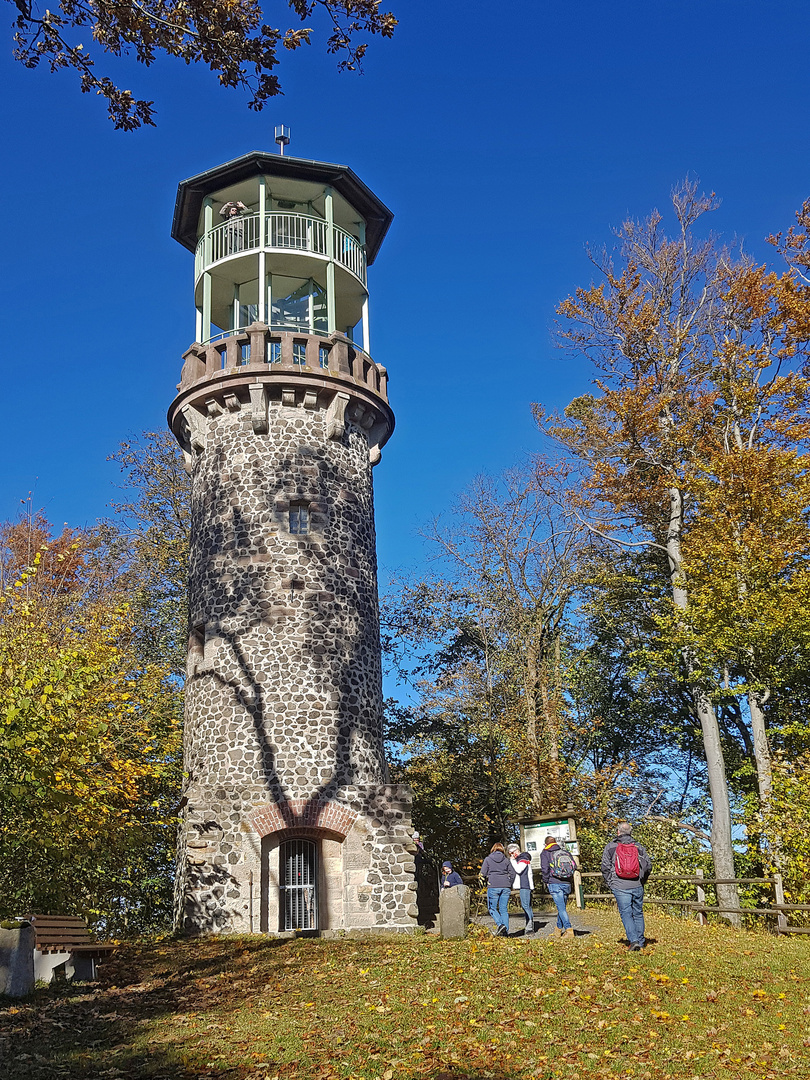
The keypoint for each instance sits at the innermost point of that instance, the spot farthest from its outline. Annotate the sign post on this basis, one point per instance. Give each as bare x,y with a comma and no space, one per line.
561,824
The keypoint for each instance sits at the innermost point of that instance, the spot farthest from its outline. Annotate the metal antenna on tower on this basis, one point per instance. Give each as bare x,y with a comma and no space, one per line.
282,137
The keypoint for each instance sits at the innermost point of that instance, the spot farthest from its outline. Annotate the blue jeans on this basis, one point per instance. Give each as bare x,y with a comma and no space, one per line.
497,902
631,909
560,894
526,904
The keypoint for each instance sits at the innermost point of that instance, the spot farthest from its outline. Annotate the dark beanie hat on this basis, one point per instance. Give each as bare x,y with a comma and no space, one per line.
449,865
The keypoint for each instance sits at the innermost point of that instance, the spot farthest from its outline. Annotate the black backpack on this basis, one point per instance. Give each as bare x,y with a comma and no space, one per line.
562,864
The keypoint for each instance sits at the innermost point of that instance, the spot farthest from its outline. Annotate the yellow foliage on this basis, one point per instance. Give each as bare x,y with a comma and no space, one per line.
88,741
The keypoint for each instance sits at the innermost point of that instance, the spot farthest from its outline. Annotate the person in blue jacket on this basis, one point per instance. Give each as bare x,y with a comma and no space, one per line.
559,886
449,876
497,872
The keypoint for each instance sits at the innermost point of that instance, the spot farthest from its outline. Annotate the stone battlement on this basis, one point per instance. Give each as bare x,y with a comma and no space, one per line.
248,372
332,356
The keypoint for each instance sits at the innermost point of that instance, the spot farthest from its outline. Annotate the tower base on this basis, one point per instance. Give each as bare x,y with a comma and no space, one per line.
324,864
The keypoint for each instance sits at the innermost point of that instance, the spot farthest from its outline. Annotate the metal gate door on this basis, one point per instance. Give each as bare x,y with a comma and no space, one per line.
299,898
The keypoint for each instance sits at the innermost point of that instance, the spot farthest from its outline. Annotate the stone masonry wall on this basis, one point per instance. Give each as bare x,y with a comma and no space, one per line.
283,729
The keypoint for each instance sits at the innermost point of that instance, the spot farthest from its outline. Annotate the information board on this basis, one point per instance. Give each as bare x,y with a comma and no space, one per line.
535,833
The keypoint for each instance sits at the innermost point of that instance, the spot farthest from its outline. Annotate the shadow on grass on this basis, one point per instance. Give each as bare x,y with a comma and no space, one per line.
647,941
117,1027
177,1011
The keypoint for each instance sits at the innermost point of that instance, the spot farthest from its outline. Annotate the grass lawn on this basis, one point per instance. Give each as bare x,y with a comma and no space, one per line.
699,1003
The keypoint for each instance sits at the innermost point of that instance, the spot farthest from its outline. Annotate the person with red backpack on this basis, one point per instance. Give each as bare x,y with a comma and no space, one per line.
625,867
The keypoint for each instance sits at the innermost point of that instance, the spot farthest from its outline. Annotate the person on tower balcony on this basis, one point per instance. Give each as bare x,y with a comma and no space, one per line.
232,212
625,867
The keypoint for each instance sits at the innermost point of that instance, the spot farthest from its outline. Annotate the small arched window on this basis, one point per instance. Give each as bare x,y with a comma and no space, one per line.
299,518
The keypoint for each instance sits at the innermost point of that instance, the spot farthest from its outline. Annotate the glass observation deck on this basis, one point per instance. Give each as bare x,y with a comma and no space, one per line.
285,252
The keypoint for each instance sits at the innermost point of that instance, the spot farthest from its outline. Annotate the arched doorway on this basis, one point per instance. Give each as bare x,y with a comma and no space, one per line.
298,866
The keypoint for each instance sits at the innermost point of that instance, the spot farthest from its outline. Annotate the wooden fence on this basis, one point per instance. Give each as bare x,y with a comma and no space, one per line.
778,910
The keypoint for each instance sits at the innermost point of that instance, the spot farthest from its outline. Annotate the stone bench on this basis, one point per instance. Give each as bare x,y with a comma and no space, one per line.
16,958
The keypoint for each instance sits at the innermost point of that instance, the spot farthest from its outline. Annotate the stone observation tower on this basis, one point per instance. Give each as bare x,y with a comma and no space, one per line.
289,822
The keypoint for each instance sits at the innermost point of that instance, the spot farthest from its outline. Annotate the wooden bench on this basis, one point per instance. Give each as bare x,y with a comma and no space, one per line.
66,936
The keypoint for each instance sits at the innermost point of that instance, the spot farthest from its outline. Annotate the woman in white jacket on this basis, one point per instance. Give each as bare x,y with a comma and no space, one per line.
521,862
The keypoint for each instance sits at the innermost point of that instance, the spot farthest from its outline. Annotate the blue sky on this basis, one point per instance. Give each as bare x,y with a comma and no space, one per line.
504,138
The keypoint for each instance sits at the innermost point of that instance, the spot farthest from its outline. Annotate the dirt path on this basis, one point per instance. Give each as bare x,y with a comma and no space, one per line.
545,922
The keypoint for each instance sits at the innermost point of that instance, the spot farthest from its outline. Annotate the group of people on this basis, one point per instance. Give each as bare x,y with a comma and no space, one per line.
626,865
505,870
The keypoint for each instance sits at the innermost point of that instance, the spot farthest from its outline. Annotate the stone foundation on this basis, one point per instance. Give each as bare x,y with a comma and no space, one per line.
231,877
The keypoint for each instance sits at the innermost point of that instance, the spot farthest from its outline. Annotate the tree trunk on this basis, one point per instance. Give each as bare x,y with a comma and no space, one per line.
721,842
530,693
762,753
551,726
762,756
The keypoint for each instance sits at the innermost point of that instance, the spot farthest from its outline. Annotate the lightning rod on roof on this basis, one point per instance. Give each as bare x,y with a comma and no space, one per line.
282,137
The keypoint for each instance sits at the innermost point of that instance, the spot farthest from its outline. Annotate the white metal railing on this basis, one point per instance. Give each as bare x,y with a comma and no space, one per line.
284,232
298,232
350,253
236,235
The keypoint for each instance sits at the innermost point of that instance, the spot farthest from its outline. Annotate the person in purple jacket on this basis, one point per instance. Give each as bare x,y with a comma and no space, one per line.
497,872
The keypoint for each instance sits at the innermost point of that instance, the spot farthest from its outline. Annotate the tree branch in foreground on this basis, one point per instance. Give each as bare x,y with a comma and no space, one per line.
231,39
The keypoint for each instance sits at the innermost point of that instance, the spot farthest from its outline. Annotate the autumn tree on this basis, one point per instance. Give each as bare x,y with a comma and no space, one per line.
89,741
700,384
232,40
147,540
514,554
480,647
61,561
630,716
458,743
787,820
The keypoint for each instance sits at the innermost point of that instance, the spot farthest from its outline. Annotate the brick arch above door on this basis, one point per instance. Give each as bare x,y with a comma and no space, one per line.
304,817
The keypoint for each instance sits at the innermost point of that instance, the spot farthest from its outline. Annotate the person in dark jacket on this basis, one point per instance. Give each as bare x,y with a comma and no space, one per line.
558,887
449,876
628,890
497,872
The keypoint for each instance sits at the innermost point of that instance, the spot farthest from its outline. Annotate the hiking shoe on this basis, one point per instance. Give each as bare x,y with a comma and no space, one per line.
569,933
636,946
